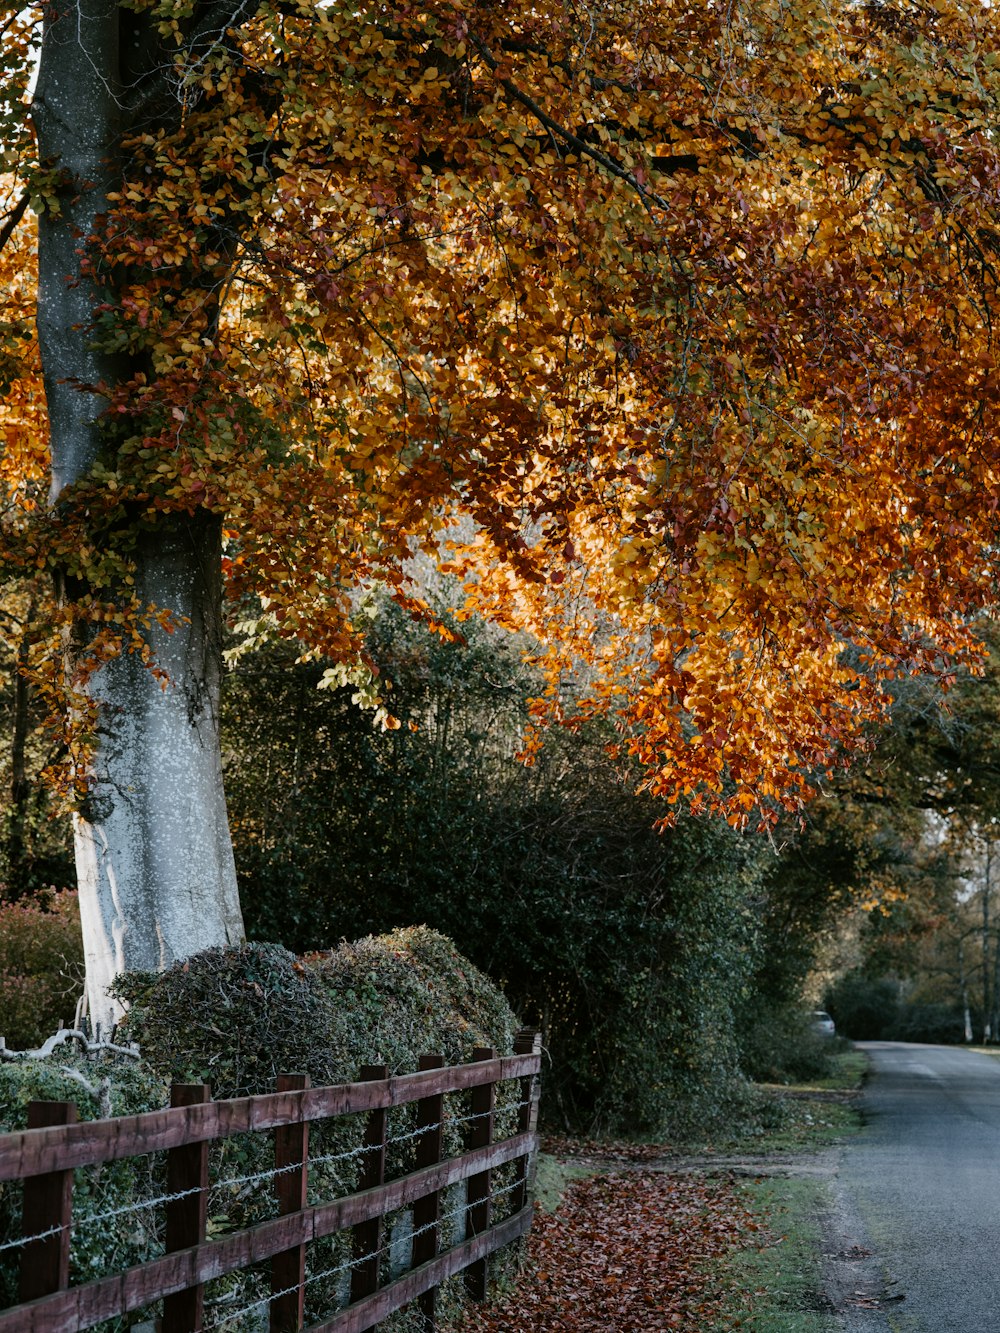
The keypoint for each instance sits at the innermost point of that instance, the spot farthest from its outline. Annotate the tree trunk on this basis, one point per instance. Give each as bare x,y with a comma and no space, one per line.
75,114
20,789
987,996
963,982
154,859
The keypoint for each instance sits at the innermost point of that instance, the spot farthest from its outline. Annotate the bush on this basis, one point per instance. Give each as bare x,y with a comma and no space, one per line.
939,1024
864,1008
779,1045
411,992
636,990
629,948
236,1018
41,966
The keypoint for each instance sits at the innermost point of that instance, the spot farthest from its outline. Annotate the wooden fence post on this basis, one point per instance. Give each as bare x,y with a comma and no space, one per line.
367,1238
527,1042
291,1162
187,1170
48,1203
426,1211
480,1135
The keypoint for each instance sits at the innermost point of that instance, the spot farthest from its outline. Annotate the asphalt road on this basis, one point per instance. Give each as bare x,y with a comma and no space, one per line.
918,1195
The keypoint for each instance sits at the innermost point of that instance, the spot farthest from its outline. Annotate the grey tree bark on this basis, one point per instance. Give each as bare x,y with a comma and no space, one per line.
20,787
154,858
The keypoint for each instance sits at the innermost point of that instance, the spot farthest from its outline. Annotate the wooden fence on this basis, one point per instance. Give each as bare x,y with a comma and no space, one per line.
46,1155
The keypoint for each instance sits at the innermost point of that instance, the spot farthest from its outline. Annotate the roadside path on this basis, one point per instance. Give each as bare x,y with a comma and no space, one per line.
913,1227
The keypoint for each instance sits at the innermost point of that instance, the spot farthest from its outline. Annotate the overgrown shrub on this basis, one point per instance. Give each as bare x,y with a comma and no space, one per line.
939,1024
630,948
41,966
781,1046
410,992
235,1018
864,1008
635,978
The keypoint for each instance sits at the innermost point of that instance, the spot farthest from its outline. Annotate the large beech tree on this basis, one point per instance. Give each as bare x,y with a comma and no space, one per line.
685,308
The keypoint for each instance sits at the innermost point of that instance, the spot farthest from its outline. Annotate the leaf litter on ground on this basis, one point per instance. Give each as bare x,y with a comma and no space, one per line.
559,1145
625,1253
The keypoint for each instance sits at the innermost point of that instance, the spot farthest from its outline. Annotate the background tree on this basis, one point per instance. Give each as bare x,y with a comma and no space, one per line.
931,793
688,309
661,967
33,849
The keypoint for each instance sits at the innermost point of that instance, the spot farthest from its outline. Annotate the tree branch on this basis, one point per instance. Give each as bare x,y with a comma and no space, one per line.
609,164
13,218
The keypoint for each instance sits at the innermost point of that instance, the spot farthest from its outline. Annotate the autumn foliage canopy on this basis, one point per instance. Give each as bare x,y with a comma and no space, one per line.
669,325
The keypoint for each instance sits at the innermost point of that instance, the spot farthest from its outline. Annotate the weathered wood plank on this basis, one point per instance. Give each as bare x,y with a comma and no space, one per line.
79,1307
367,1313
48,1202
37,1151
187,1170
288,1267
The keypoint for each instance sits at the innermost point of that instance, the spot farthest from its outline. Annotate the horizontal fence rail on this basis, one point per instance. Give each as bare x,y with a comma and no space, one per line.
45,1156
33,1151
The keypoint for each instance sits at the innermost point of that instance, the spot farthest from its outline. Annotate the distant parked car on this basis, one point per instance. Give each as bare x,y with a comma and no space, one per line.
821,1022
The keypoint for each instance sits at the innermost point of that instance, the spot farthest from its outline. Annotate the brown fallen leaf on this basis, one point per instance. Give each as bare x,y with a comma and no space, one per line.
624,1253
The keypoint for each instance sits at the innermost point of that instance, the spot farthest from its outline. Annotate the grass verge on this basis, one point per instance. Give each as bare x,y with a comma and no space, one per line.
797,1118
776,1286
